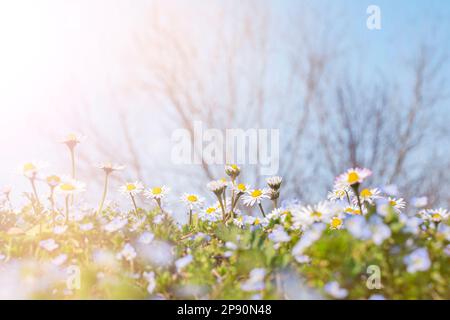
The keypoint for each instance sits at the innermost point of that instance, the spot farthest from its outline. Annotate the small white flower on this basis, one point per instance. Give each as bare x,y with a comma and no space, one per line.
255,282
150,278
131,188
157,193
146,237
181,263
192,200
397,204
255,196
86,226
353,176
116,224
128,253
72,139
69,186
217,186
109,167
340,192
302,258
31,169
274,182
279,235
59,229
418,260
49,244
435,215
336,222
232,170
158,219
369,195
211,213
241,188
334,290
59,260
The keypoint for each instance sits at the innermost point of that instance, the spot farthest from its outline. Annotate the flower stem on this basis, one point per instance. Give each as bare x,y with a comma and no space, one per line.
348,198
52,203
72,159
190,217
134,204
262,210
105,190
67,208
223,208
33,186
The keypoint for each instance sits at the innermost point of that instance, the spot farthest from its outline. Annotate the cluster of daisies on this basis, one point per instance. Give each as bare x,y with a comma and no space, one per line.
351,205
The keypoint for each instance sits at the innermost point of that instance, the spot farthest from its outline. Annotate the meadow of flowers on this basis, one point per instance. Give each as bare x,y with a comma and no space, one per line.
362,242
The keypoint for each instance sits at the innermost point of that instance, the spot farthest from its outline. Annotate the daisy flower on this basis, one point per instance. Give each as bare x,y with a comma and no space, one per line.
241,188
353,176
274,182
31,169
72,139
109,167
353,210
339,193
255,196
191,200
211,213
435,215
156,193
369,195
69,186
132,188
232,170
53,180
397,204
316,213
336,222
217,186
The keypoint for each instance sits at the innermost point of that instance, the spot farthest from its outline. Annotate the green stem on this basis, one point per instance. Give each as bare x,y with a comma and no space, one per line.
223,208
134,204
190,217
262,210
105,190
72,159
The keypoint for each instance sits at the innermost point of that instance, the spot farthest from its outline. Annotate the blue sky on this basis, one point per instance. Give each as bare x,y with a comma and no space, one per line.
84,41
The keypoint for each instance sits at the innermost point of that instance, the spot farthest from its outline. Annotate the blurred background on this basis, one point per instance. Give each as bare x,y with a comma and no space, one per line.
126,74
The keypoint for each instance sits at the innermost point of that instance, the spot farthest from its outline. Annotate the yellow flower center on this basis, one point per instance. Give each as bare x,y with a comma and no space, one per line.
241,187
393,203
336,222
131,186
340,193
192,198
72,137
67,187
353,177
436,216
210,210
256,193
316,214
53,179
234,166
157,190
366,193
256,222
29,167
